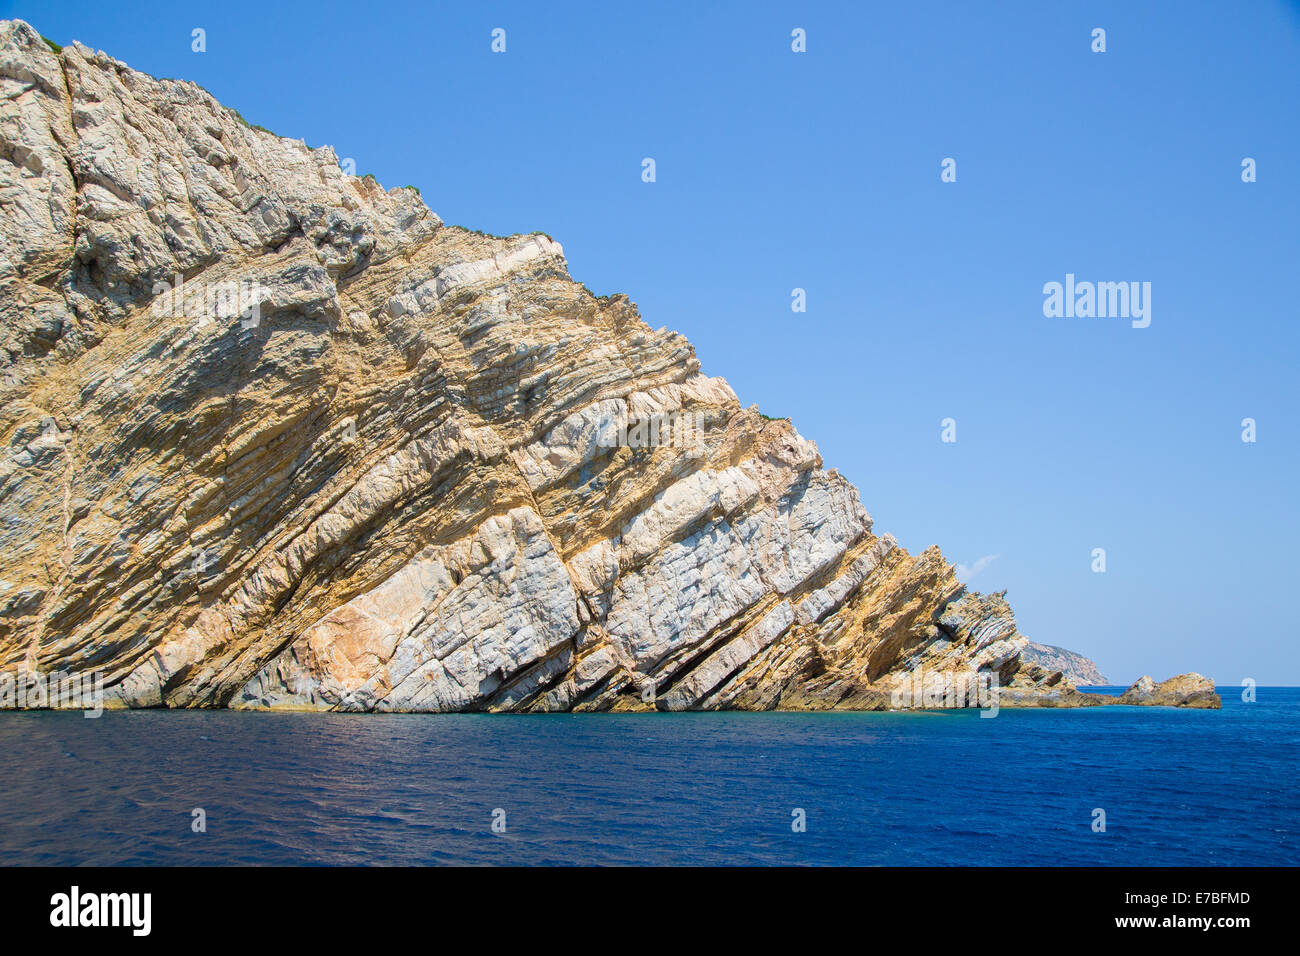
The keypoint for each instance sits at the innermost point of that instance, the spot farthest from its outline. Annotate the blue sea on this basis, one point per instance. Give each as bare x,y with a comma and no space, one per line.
1177,787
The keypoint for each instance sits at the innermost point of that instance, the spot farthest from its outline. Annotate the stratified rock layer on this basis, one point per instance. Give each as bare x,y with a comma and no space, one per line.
363,461
1079,669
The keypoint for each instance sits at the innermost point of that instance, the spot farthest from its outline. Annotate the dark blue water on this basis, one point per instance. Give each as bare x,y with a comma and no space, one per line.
1178,787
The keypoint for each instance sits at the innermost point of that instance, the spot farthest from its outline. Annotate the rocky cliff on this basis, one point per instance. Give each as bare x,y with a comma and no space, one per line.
1077,668
276,437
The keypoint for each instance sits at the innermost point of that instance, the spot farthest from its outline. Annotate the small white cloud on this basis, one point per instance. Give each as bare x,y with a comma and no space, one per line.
966,572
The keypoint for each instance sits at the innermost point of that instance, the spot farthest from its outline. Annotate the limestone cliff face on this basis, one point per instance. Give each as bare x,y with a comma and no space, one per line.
1079,669
276,437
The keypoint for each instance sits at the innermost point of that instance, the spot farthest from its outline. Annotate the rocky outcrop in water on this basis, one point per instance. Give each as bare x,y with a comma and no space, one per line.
1185,690
276,437
1077,668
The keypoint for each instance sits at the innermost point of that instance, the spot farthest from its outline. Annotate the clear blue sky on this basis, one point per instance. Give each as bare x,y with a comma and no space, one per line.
821,171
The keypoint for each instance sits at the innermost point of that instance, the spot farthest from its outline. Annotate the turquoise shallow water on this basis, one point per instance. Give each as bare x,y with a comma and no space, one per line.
1178,787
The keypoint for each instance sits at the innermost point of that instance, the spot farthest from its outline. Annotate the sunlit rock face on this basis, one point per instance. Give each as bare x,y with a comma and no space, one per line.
1081,670
278,438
